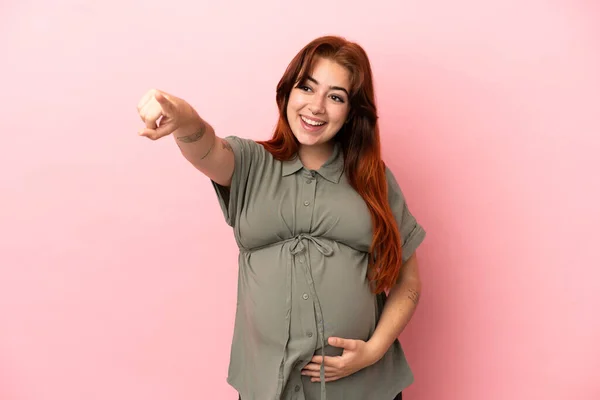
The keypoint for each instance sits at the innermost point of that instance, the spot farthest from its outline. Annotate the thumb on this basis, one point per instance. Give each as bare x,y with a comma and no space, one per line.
159,132
166,104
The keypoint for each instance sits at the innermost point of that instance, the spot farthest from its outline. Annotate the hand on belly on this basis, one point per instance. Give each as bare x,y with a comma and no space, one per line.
355,355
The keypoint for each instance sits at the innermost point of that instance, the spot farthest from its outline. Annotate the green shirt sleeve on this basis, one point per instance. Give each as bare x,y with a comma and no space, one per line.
248,155
412,233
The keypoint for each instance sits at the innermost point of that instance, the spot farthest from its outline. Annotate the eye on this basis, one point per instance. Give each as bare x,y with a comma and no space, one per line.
304,88
337,99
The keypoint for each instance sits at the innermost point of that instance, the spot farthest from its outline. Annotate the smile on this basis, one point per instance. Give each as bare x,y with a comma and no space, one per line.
312,122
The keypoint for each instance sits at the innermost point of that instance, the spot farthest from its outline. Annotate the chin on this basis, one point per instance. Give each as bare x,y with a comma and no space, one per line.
312,138
306,139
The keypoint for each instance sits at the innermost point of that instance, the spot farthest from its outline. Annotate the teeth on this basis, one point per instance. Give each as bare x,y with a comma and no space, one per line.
311,122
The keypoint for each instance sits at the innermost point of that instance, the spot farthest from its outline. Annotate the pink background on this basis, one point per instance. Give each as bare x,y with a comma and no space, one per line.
118,273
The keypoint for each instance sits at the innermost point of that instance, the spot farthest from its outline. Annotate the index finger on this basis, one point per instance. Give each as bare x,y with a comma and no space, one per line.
166,104
330,361
145,99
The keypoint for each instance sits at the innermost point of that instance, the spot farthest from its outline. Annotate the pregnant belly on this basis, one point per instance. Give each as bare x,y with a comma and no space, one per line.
349,307
271,299
350,313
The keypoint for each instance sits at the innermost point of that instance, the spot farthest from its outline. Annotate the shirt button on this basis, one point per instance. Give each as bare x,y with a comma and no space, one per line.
305,296
301,259
306,203
297,388
309,334
308,180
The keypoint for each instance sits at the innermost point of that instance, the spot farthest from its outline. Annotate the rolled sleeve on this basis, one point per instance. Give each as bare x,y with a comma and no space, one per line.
231,198
412,233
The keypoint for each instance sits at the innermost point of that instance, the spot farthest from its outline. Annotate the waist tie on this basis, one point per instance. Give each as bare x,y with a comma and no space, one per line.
297,246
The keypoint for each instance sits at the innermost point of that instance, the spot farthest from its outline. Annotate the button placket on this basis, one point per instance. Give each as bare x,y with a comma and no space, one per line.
308,197
306,298
305,315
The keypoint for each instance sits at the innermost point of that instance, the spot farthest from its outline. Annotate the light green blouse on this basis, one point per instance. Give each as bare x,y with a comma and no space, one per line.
304,238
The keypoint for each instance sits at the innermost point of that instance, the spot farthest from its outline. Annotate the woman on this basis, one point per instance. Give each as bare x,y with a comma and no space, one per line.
323,230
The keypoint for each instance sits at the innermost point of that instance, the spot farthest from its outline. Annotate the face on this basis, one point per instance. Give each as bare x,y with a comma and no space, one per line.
318,107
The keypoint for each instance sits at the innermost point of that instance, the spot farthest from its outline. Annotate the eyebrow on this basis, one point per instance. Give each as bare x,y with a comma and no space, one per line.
310,78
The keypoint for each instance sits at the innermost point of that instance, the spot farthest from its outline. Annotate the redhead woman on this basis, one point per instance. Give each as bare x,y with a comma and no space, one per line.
328,275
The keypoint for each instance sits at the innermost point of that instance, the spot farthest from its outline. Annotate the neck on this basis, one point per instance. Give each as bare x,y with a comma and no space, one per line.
313,157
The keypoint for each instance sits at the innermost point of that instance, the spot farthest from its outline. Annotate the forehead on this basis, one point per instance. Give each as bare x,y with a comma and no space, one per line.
330,73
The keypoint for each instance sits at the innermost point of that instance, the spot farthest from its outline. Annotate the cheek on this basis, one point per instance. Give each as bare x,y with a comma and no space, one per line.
340,115
294,103
292,111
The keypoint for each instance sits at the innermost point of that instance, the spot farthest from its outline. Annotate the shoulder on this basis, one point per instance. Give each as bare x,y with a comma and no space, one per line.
252,160
393,188
246,148
242,143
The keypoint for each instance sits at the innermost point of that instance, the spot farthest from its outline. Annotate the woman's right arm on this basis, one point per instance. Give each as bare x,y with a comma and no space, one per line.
165,114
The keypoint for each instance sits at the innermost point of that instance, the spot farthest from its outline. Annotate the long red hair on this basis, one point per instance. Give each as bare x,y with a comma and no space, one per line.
359,139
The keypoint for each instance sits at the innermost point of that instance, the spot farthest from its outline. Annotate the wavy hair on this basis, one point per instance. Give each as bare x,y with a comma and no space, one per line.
360,143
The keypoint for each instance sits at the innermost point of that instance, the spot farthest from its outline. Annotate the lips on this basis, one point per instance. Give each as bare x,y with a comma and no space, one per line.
312,121
311,124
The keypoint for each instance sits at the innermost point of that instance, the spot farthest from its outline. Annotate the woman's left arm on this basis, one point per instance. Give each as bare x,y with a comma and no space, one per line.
399,308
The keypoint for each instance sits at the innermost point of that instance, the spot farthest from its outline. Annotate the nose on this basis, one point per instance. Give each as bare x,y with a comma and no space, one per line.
317,106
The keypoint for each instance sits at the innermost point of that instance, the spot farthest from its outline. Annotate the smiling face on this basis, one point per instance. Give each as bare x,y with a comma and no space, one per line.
318,107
